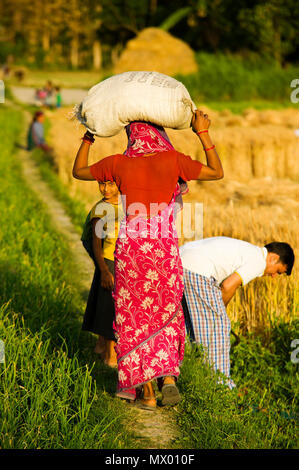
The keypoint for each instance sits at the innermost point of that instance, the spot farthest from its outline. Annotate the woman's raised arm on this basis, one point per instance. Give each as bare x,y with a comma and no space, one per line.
213,169
81,169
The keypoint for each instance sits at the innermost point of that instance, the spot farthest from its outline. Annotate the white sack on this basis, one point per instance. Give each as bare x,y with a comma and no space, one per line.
135,96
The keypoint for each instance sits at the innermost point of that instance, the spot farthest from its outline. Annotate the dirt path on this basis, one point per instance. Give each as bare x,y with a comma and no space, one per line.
156,429
63,224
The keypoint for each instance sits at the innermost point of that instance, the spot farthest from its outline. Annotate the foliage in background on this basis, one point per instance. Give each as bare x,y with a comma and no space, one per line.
91,33
266,27
223,77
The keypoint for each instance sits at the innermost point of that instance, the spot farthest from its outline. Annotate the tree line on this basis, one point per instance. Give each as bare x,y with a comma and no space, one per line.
91,33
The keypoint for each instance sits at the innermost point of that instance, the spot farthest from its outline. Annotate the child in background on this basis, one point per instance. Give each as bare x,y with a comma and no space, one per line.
58,97
99,236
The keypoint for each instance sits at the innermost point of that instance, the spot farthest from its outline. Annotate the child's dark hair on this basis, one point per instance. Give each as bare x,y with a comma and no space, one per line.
285,253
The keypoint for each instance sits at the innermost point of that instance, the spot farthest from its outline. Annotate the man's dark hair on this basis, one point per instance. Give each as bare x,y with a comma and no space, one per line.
285,252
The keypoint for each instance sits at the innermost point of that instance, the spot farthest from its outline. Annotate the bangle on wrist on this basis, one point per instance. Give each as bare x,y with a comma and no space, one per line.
88,138
86,141
201,131
210,148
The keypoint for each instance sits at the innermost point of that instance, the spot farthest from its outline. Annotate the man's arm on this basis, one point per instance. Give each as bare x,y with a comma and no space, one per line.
229,287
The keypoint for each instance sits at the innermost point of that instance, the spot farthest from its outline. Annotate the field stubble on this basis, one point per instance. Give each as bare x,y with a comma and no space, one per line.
257,200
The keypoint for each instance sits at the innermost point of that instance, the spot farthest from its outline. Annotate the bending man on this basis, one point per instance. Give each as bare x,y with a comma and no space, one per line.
214,268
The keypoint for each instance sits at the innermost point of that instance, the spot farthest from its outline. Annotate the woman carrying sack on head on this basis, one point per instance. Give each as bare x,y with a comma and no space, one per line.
148,284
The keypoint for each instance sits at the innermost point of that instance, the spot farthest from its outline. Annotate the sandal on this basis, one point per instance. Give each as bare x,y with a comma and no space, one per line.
170,394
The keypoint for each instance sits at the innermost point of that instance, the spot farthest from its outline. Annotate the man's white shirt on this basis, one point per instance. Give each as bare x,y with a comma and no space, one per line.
220,257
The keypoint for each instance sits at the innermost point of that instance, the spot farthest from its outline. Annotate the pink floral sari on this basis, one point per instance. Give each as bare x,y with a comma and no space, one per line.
148,289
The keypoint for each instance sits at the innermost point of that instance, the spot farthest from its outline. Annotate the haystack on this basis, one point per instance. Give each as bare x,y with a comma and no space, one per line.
154,49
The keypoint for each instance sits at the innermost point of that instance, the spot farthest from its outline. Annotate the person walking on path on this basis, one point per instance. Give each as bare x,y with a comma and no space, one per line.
148,289
99,236
214,268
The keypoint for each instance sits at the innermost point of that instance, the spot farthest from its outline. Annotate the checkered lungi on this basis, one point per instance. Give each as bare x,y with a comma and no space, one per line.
210,322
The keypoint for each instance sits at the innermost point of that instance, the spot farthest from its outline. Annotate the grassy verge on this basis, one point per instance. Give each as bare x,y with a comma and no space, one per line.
74,207
264,417
52,393
63,78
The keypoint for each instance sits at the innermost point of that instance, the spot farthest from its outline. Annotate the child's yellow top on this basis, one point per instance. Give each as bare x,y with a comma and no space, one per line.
108,228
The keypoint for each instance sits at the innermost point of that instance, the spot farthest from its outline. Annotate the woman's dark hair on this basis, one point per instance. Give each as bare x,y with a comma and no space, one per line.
285,253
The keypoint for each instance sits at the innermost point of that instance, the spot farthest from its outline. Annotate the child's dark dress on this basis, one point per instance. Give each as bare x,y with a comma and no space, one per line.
99,313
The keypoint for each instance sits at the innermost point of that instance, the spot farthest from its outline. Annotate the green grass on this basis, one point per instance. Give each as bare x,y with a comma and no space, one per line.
265,417
47,396
52,392
229,78
63,78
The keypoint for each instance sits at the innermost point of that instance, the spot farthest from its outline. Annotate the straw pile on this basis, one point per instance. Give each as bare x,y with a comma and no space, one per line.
154,49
